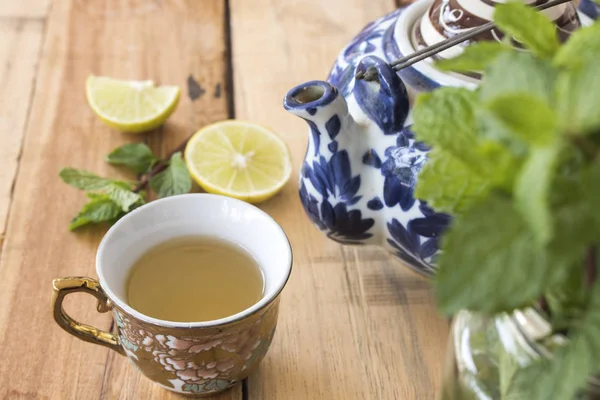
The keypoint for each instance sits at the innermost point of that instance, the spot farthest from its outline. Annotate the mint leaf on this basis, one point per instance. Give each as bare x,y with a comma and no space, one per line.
174,180
591,191
497,164
490,262
528,117
582,44
518,72
125,198
100,208
448,184
445,118
530,27
118,191
532,195
571,366
475,57
578,99
575,202
95,195
83,180
136,156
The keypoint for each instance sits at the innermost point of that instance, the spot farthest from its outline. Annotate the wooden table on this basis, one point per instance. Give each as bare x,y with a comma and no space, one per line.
354,323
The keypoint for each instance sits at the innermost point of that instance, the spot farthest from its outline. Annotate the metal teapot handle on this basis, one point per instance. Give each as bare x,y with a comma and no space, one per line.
384,99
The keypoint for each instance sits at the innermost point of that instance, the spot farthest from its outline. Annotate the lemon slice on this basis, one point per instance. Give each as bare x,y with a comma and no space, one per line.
130,106
238,159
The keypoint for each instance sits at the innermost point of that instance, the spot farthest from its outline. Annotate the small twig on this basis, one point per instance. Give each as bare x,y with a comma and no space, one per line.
159,167
589,148
590,266
543,303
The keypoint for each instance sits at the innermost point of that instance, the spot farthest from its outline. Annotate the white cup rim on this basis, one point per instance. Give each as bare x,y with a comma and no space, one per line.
118,302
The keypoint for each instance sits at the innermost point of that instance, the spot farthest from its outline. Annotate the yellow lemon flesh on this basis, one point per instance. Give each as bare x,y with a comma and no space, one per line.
238,159
131,106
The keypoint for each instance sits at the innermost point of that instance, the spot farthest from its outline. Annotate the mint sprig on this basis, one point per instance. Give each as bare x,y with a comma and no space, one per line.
86,180
136,156
517,163
510,271
110,199
175,179
100,208
124,197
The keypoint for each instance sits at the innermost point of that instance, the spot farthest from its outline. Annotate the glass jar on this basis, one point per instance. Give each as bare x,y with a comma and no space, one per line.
483,352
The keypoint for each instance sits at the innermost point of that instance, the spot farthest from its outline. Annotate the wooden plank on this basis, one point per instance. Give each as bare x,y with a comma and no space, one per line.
354,323
20,42
23,9
168,42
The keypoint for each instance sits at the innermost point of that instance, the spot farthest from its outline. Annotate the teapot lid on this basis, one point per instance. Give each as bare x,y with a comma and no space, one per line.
427,22
446,18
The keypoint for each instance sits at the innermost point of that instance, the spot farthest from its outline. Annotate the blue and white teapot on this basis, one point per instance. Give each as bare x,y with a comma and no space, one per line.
357,180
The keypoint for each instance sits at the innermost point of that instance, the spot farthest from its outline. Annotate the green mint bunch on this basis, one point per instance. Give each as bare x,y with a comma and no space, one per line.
110,199
517,163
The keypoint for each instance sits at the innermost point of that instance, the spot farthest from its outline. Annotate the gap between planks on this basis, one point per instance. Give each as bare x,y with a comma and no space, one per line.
19,63
342,329
61,131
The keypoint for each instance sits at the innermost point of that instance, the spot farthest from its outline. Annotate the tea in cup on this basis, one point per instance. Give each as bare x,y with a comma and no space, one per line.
193,282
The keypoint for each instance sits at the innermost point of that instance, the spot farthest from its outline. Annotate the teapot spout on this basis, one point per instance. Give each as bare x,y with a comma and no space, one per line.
324,109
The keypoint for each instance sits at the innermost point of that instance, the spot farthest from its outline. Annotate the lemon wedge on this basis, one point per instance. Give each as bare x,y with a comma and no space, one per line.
238,159
131,106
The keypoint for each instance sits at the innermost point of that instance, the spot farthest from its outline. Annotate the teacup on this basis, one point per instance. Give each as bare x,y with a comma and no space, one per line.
197,357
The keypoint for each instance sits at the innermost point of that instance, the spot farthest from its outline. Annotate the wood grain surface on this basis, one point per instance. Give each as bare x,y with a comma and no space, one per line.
354,323
170,42
20,41
24,9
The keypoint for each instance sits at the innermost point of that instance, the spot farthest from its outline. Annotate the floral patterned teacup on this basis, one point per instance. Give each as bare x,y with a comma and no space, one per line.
192,358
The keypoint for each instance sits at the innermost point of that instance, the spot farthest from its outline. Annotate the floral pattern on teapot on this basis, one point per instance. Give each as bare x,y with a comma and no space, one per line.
358,177
590,8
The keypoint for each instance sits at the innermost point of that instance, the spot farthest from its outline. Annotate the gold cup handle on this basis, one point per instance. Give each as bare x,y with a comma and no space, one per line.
65,286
